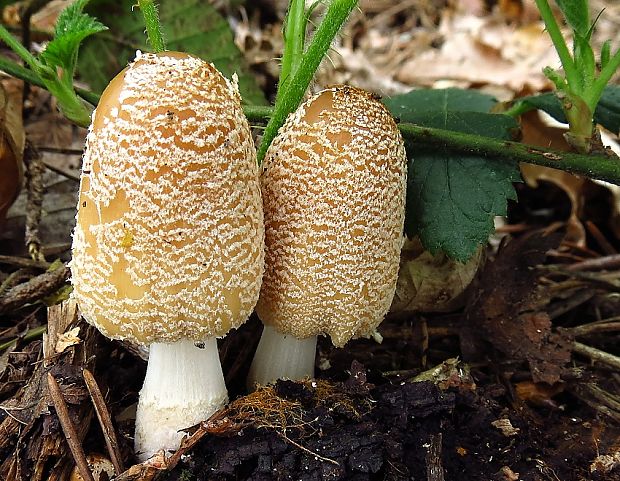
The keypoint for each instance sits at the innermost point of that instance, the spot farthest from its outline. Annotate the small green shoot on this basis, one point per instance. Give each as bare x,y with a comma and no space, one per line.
581,85
303,65
153,27
55,66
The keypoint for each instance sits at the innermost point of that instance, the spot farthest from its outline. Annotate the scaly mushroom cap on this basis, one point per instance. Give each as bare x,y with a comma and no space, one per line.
169,235
334,201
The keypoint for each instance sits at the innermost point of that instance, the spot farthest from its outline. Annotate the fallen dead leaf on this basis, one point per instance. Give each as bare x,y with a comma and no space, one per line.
431,283
507,311
506,427
67,339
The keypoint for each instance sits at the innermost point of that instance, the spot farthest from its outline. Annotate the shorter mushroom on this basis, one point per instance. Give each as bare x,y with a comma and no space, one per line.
168,246
334,201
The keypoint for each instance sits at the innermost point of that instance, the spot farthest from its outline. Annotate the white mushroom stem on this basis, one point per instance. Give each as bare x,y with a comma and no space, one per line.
184,385
281,356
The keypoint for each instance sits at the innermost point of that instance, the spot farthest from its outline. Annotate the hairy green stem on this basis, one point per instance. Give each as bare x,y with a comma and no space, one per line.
18,48
16,70
69,103
153,27
573,77
336,14
294,42
596,167
258,114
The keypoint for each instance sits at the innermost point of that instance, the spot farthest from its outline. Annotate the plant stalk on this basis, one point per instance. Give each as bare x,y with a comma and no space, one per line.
336,14
294,42
153,27
573,77
18,48
593,166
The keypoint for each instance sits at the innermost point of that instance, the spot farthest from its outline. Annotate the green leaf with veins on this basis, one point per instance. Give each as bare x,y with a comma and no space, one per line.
607,111
453,198
72,27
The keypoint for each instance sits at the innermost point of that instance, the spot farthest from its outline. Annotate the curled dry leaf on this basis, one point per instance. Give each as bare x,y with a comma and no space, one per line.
100,467
11,144
431,283
67,339
543,131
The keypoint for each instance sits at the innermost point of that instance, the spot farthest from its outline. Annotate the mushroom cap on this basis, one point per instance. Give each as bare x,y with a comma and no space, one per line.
169,236
334,202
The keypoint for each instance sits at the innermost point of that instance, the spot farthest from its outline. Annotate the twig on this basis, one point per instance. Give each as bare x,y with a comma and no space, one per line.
105,420
434,468
613,402
611,324
68,428
34,186
23,262
63,172
607,262
60,150
600,238
312,453
597,355
596,400
34,289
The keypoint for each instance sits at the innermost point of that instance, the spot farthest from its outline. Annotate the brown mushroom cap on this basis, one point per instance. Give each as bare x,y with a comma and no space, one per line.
169,235
334,201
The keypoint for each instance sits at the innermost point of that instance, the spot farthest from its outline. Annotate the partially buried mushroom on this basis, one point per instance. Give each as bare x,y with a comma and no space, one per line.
168,247
334,200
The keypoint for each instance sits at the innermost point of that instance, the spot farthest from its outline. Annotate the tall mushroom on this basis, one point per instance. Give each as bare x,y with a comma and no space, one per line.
168,247
334,200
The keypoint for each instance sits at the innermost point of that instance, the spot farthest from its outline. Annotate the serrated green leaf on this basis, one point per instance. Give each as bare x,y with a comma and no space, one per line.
607,111
72,27
577,14
191,26
452,198
430,100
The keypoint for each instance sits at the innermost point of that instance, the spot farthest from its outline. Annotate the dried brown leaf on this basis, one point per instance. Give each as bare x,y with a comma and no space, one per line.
431,283
508,310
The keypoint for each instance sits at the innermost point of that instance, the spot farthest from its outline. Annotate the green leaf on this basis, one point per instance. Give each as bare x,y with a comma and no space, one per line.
584,60
577,14
191,26
440,99
605,53
607,111
452,198
72,27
